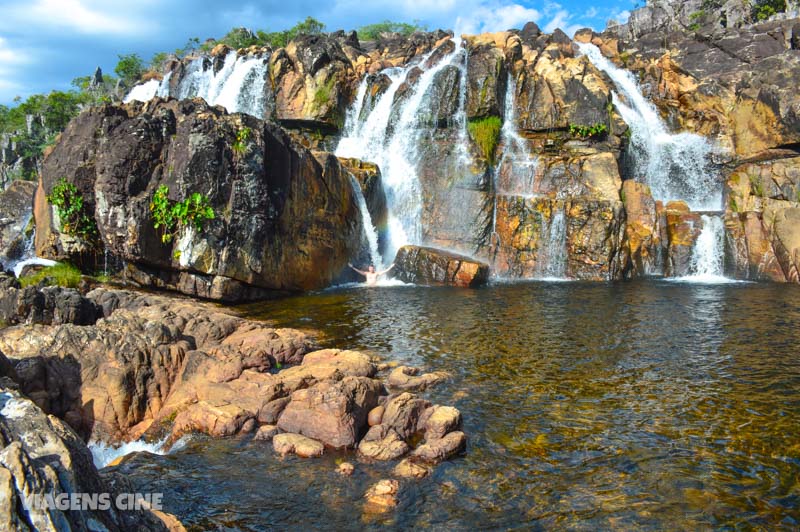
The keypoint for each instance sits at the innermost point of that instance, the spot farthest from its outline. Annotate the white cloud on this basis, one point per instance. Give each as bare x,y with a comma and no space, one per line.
82,16
490,17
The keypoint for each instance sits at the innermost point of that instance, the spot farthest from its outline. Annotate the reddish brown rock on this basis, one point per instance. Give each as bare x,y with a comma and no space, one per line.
296,444
439,450
332,412
403,413
429,266
382,443
410,379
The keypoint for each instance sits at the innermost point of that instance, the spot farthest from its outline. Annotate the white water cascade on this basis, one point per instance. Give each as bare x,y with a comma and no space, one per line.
675,166
516,163
552,255
104,454
238,86
369,228
398,155
707,255
148,90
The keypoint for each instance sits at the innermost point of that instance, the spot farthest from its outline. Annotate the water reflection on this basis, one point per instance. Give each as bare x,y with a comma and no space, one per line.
639,405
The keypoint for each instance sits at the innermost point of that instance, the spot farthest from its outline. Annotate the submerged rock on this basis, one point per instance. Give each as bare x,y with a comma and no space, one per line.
408,378
381,496
429,266
408,468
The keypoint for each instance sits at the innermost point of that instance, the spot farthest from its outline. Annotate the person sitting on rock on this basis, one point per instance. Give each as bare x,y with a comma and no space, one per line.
371,275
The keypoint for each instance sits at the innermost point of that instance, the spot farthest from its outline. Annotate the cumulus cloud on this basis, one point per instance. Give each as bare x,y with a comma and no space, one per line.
82,16
495,17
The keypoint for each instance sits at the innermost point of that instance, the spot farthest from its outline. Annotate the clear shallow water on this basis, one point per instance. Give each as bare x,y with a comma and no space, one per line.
646,405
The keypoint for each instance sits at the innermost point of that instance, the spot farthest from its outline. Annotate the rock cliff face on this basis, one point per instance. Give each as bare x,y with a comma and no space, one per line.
716,73
508,147
285,218
40,455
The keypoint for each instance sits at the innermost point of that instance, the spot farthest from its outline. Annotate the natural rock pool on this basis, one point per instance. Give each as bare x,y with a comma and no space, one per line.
644,405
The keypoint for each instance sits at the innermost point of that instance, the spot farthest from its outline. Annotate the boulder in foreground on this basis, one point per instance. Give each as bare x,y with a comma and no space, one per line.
430,266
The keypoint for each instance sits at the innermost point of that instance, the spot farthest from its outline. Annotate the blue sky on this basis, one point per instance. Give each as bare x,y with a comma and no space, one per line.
44,44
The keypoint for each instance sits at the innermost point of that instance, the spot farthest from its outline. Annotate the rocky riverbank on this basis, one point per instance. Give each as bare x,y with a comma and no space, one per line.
118,365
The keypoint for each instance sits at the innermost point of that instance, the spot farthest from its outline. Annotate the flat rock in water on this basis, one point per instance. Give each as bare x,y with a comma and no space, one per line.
297,444
430,266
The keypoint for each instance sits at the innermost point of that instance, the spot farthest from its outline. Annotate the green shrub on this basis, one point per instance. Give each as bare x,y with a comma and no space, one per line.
173,216
61,274
130,68
370,32
72,211
240,145
323,93
244,38
485,132
585,132
764,9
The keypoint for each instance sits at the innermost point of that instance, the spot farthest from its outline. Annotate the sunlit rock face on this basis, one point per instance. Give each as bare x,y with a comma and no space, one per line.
540,155
285,219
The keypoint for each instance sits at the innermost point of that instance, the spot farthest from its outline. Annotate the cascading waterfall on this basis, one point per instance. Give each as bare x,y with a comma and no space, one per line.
150,89
238,85
675,166
516,163
370,233
552,263
709,250
398,155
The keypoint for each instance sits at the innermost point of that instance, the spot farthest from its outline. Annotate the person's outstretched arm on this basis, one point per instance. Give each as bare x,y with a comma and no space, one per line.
356,269
386,270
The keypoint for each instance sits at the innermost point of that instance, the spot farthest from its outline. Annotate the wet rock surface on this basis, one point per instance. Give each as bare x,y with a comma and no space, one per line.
429,266
41,455
154,366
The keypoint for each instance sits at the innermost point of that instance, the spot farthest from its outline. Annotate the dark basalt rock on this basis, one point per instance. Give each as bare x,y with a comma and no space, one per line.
286,219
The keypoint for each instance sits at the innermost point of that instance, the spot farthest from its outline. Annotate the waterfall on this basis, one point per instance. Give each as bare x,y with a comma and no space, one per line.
675,166
516,165
148,90
709,250
552,254
238,86
398,155
369,228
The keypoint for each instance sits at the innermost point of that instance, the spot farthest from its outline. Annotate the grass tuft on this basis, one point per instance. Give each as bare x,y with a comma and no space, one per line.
485,132
63,274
